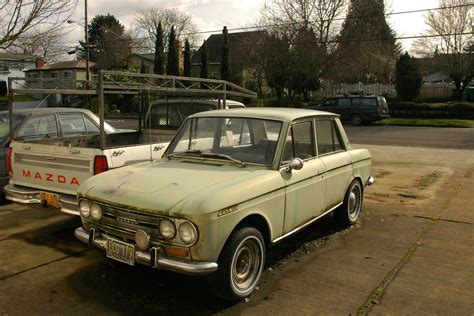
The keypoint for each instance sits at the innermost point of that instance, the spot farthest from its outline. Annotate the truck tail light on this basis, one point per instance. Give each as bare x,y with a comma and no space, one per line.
9,161
100,164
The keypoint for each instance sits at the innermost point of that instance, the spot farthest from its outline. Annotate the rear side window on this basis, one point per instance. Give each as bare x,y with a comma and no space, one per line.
300,142
171,115
328,137
364,102
72,124
39,127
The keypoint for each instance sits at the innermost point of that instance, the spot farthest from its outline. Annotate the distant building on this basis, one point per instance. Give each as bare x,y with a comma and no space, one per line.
135,61
240,46
15,65
63,75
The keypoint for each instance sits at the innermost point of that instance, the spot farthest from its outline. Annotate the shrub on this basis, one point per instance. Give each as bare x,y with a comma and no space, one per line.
451,110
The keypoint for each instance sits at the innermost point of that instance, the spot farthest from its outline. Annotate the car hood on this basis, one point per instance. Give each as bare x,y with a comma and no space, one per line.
158,186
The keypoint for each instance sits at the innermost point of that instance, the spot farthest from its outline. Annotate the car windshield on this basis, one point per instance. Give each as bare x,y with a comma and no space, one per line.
241,140
5,125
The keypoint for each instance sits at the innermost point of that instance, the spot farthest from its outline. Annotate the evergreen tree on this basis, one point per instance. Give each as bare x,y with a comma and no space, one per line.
204,71
172,66
187,59
159,55
408,78
367,35
225,62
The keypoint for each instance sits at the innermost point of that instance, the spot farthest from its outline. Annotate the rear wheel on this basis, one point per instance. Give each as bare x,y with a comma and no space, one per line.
348,213
240,265
356,119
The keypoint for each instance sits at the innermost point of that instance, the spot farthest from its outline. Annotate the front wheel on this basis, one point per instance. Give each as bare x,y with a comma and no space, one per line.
240,265
348,213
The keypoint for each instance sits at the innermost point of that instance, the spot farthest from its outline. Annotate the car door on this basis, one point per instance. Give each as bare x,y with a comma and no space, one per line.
344,108
304,188
337,161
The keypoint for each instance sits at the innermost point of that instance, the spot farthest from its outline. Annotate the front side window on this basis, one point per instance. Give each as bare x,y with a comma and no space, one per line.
328,137
246,140
330,102
300,142
39,127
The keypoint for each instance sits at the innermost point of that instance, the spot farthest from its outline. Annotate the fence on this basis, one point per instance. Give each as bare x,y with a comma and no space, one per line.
428,92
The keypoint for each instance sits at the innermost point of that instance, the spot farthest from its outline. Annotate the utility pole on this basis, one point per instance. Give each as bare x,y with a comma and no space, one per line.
86,32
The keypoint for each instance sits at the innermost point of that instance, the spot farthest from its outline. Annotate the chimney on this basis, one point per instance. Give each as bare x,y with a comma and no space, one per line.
39,62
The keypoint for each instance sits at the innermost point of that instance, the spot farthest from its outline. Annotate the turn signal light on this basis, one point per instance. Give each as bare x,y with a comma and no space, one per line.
9,161
100,164
177,252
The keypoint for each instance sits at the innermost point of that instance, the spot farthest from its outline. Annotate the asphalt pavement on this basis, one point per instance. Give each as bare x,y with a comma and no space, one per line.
411,253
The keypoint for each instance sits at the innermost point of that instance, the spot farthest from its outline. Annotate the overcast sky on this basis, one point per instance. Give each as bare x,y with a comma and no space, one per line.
210,15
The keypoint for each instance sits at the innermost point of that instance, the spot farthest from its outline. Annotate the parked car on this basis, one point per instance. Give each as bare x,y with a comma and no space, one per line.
45,123
230,184
357,109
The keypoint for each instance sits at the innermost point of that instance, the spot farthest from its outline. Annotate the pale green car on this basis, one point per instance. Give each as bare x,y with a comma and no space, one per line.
231,184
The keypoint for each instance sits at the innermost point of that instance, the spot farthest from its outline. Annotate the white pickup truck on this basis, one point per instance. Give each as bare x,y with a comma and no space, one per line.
48,170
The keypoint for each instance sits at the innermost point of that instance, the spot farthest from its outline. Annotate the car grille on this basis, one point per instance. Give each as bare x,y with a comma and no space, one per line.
125,223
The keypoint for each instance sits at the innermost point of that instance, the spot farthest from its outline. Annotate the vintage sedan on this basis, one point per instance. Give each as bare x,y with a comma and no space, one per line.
231,184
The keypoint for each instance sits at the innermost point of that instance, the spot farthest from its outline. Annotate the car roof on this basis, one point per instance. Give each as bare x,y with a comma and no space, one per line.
201,101
279,114
31,111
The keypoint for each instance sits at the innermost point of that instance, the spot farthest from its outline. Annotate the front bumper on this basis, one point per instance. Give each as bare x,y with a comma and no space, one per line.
152,258
25,195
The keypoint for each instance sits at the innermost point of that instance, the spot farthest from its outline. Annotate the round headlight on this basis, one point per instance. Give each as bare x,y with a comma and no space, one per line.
187,233
142,239
167,229
85,208
96,211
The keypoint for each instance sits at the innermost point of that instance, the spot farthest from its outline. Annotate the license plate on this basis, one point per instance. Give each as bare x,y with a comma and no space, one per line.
51,199
121,251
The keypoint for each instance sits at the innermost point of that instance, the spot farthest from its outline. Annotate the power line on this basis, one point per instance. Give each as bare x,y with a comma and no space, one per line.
326,20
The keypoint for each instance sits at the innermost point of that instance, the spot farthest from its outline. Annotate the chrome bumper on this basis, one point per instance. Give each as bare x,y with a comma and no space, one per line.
26,195
150,258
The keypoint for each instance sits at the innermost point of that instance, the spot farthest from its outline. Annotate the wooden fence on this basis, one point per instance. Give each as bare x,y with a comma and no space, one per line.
428,92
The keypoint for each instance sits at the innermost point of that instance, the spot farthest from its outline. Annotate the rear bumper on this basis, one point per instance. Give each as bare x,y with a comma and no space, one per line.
25,195
151,258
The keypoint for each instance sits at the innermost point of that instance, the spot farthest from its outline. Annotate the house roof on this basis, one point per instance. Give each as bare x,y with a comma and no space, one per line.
238,43
16,57
72,64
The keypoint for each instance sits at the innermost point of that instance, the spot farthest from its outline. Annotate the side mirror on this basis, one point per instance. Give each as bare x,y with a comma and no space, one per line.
295,164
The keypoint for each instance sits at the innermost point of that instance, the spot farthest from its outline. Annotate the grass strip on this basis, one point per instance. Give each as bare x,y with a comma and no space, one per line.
426,122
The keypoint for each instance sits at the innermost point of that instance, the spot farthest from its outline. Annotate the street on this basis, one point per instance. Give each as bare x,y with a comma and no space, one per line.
412,252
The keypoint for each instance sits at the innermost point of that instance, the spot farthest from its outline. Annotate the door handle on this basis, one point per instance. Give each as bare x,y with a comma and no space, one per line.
49,158
26,147
74,151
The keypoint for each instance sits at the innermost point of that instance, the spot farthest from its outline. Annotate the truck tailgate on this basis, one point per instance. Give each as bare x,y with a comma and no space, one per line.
51,168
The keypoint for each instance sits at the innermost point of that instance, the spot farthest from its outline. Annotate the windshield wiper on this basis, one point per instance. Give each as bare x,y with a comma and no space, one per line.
216,155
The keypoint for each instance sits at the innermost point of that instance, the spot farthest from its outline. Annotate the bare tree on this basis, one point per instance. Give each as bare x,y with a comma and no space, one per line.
46,44
450,42
20,17
148,20
290,16
298,45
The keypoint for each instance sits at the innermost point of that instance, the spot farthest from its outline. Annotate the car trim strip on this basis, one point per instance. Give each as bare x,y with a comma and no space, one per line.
304,225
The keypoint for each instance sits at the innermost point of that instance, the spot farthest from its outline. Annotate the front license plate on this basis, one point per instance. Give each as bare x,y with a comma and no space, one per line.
121,251
51,199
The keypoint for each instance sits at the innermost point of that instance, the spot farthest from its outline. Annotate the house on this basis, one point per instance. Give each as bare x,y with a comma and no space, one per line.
65,75
240,49
15,65
136,61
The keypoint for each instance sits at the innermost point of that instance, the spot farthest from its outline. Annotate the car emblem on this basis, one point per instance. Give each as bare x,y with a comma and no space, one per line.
127,220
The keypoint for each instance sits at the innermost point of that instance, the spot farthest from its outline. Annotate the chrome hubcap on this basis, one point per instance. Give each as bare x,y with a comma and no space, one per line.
354,202
246,264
